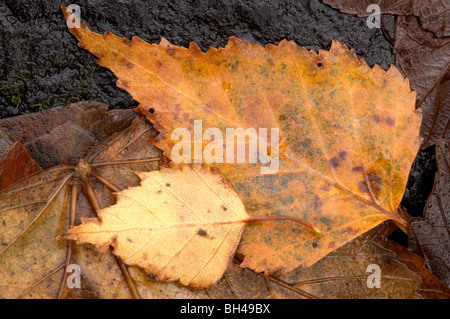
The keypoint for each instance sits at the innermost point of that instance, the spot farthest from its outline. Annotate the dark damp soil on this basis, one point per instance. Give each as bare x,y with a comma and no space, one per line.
42,67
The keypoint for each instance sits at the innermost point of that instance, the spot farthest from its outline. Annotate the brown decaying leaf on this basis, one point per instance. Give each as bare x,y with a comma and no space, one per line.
429,237
348,133
425,59
35,210
178,225
434,14
59,136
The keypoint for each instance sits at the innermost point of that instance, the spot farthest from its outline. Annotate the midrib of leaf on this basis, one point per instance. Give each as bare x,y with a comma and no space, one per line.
308,169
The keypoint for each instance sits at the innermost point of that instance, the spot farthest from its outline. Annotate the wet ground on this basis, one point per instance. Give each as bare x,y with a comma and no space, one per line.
42,67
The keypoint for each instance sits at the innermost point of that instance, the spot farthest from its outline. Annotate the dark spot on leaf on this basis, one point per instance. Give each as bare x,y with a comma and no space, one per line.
151,110
357,169
224,208
159,192
314,244
350,231
319,64
376,118
152,277
202,232
334,162
129,240
390,121
167,185
343,154
375,182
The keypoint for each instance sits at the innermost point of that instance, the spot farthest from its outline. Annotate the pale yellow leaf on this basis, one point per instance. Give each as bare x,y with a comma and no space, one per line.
180,224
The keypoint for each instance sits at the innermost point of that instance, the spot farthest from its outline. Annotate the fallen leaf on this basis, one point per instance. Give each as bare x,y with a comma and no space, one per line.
434,15
37,209
425,60
178,225
348,133
429,237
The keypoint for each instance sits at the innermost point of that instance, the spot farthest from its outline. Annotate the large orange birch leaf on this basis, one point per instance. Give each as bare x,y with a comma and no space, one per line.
348,132
178,225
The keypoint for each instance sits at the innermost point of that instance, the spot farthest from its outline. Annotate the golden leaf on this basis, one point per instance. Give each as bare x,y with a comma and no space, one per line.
178,225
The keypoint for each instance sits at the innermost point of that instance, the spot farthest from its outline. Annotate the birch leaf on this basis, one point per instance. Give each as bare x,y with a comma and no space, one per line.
178,225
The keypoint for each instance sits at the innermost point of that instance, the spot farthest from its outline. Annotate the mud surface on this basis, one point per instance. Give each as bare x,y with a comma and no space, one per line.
41,66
